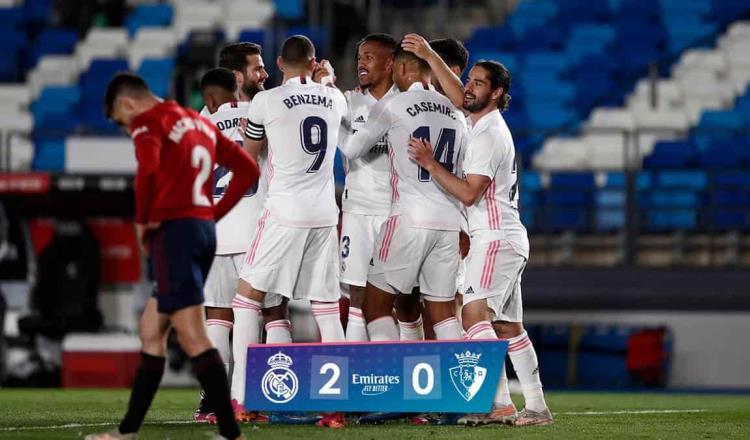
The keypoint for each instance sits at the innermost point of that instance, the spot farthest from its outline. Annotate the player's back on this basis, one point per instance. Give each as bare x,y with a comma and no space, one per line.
301,120
234,231
186,158
424,113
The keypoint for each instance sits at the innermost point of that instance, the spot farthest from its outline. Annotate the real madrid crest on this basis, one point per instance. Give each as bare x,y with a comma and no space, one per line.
279,384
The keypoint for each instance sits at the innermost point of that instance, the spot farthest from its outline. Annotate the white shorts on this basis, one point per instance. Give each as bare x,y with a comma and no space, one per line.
296,263
221,282
493,272
405,257
358,235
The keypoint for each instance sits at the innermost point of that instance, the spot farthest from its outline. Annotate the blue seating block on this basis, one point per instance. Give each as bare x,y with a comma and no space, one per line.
49,154
695,180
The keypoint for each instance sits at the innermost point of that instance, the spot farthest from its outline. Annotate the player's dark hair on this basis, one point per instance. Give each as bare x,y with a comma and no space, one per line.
121,84
406,56
499,77
219,77
297,50
451,51
234,56
385,40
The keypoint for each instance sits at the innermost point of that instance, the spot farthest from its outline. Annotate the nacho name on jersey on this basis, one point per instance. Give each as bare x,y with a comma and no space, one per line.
429,106
295,100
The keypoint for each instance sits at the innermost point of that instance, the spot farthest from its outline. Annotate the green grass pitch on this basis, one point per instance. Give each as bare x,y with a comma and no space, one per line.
69,414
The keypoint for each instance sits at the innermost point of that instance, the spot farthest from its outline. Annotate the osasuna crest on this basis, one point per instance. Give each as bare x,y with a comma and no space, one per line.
468,377
279,384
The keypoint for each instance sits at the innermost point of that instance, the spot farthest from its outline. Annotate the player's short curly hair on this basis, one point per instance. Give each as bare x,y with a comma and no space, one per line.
219,77
234,56
451,51
499,77
387,41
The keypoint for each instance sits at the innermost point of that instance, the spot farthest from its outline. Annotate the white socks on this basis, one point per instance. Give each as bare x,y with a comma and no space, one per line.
279,332
448,329
411,331
246,331
484,330
329,322
356,329
383,329
218,333
524,360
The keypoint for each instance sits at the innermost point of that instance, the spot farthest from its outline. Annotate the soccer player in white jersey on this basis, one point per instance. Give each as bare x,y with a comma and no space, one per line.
418,244
245,60
294,253
366,201
499,243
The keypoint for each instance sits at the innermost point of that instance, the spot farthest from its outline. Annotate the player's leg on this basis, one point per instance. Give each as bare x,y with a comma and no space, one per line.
437,282
207,366
378,308
246,307
358,235
319,282
276,318
409,316
153,330
523,358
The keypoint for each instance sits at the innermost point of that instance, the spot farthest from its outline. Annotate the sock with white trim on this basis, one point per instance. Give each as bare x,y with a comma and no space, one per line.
383,329
411,331
279,332
525,363
246,332
448,329
328,318
218,333
484,330
356,328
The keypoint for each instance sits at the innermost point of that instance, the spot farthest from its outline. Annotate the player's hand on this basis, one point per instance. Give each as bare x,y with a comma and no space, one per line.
143,233
324,73
420,151
417,45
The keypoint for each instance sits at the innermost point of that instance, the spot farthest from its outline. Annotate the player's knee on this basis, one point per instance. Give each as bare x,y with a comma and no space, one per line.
193,342
153,341
507,330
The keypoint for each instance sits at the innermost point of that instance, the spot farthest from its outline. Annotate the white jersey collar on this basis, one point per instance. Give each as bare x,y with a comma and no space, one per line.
419,86
300,80
392,91
232,104
488,120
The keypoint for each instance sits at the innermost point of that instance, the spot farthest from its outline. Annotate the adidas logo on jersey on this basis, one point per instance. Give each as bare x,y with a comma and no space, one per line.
360,118
469,290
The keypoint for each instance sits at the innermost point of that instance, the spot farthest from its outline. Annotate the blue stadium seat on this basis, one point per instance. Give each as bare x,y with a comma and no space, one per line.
695,180
93,84
157,15
157,73
56,100
731,179
12,18
671,154
289,9
49,154
53,41
670,219
254,36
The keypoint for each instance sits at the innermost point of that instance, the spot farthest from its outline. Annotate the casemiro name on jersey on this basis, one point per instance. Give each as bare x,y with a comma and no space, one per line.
428,106
295,100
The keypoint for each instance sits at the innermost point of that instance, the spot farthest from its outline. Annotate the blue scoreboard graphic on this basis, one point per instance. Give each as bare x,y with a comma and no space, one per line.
431,376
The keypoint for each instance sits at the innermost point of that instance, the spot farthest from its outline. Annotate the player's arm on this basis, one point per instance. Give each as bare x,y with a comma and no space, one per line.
468,191
360,142
147,151
254,132
448,80
245,172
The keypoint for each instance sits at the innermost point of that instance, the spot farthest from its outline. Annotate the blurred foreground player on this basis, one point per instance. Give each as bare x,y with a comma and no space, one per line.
499,244
176,150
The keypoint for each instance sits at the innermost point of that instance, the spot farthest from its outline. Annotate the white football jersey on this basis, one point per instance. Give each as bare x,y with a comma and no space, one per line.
491,153
424,113
302,120
234,231
368,178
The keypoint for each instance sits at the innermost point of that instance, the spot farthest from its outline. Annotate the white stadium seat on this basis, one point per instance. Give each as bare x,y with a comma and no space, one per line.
611,118
561,154
15,96
99,155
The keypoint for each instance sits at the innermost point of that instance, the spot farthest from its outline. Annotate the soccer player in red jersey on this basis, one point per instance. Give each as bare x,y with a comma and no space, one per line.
176,149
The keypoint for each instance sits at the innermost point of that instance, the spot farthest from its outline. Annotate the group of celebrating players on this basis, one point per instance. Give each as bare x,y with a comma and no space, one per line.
430,179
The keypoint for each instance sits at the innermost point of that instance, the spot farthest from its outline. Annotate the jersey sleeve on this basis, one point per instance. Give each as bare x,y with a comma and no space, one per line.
256,129
377,125
482,156
244,169
147,139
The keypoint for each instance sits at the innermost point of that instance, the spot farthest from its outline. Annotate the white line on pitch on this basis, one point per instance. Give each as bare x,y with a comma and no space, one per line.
90,425
643,411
